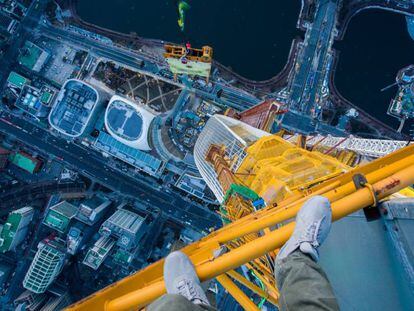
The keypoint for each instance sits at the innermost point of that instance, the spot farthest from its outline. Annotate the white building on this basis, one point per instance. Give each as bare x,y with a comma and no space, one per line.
223,131
45,267
127,227
128,122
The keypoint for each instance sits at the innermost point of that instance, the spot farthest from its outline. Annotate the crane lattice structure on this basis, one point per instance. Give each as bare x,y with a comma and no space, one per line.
374,148
260,197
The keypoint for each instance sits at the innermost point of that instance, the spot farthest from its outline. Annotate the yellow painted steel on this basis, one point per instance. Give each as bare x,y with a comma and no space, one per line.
274,168
408,192
238,294
244,241
237,257
242,280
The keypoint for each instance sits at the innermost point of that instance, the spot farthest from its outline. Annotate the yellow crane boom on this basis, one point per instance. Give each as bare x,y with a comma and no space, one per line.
257,236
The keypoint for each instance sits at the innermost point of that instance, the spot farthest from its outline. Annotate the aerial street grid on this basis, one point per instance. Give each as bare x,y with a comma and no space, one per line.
118,149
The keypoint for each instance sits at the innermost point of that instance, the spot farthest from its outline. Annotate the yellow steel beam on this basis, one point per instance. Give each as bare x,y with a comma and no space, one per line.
267,279
268,218
373,171
237,293
235,258
255,289
146,285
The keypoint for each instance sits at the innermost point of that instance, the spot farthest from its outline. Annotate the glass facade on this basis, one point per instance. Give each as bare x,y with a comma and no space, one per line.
223,131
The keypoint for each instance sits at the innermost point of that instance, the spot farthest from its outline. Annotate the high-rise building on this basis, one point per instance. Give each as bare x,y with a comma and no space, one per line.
46,265
74,240
58,216
232,134
99,251
15,229
127,227
92,210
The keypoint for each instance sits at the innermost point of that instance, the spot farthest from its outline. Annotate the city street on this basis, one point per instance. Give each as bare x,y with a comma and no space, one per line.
96,167
29,22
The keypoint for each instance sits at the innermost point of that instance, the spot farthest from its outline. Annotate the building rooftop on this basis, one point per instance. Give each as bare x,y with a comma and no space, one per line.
128,122
73,108
98,253
124,121
74,240
33,57
46,97
134,157
60,215
13,231
125,221
94,201
25,162
16,80
91,210
124,225
192,184
30,102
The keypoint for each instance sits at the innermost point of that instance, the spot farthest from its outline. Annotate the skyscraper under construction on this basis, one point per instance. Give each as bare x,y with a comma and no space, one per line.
261,181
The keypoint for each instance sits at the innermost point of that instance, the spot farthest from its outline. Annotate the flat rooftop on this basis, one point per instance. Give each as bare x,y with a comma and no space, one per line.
128,122
16,79
134,157
124,120
33,57
73,108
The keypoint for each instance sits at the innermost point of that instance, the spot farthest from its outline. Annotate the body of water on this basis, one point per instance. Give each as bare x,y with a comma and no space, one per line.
253,37
376,46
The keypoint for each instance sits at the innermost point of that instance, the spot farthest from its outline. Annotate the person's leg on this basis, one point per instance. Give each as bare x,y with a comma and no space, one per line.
301,281
184,290
174,302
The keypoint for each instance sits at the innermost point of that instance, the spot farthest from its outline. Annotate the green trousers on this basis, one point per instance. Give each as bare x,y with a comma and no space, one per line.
302,284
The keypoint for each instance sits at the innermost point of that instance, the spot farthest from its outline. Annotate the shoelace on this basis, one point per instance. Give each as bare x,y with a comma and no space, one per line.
186,289
312,234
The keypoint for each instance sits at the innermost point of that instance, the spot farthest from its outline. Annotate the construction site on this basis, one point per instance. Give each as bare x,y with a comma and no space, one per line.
118,152
261,181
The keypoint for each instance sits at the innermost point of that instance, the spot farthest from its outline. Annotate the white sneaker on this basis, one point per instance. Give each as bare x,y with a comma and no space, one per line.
180,278
313,223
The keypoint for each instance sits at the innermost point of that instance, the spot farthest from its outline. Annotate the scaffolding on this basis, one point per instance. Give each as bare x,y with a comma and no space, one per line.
259,204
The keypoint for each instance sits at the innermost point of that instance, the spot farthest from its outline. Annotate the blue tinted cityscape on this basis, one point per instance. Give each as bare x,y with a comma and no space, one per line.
107,126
